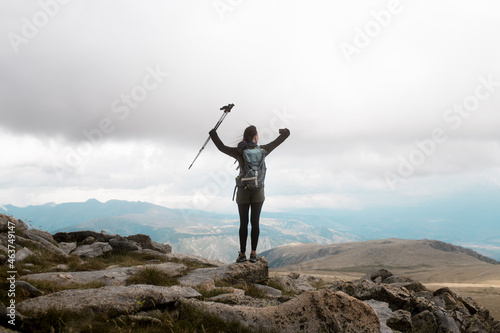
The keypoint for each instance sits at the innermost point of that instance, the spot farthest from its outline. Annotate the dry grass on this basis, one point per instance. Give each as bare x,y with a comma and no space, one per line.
152,276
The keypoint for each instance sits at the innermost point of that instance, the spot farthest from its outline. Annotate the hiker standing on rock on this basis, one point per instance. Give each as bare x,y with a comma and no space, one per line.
250,182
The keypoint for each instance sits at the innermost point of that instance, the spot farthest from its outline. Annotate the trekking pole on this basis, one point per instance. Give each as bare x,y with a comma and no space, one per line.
226,109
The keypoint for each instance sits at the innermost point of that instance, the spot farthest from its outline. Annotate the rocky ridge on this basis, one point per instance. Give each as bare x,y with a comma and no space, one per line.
90,282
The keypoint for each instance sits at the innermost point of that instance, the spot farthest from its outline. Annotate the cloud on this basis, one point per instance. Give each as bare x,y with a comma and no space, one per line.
117,97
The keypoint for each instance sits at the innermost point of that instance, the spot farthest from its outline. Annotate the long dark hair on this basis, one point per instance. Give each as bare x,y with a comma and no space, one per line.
249,133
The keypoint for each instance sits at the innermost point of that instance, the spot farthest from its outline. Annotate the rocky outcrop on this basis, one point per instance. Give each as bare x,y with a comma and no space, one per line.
96,249
114,299
295,283
240,296
110,277
314,311
234,273
416,309
117,242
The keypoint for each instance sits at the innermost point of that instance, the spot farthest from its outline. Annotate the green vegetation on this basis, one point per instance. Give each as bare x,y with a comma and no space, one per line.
273,283
207,292
186,319
249,288
49,287
152,276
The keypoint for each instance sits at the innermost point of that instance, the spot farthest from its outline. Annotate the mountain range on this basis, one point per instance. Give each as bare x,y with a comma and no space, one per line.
426,259
214,236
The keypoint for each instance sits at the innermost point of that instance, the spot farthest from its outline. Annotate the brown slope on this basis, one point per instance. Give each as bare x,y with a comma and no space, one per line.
425,260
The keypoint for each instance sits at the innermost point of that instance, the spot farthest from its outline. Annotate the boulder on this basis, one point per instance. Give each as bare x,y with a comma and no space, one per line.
185,257
111,277
314,311
404,281
377,276
424,322
243,300
146,243
22,254
363,289
383,313
294,283
114,300
18,225
28,289
39,234
400,321
43,241
88,241
234,273
123,244
445,323
269,291
79,236
67,247
91,251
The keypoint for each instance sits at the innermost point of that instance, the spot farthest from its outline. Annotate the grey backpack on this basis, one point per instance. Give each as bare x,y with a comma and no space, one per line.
253,172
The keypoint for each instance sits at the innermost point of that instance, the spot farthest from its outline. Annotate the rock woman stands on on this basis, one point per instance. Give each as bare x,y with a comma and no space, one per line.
248,198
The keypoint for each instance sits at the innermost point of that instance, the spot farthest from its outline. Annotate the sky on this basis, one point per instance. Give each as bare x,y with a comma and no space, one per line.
389,103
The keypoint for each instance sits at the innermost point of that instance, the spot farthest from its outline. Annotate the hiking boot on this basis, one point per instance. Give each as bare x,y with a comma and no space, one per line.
241,257
254,257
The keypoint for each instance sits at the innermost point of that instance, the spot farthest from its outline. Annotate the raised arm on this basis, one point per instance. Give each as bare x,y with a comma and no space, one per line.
279,140
231,151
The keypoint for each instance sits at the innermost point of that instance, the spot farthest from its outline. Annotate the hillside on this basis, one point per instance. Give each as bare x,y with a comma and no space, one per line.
427,260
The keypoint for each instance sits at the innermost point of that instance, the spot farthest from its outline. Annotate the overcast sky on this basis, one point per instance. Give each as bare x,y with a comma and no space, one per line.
388,102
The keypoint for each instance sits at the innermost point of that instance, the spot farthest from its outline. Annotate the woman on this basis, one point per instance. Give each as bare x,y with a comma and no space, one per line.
247,198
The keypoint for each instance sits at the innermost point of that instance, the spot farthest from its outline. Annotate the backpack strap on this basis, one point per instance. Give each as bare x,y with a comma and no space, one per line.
234,192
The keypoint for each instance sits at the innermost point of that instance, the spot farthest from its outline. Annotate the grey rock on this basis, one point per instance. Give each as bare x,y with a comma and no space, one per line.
146,243
111,277
141,319
294,283
396,297
424,322
379,275
91,251
28,289
243,300
123,244
88,241
445,323
5,316
400,321
23,254
233,273
383,312
3,240
79,236
40,240
61,267
39,234
191,258
316,311
67,247
269,291
112,299
18,225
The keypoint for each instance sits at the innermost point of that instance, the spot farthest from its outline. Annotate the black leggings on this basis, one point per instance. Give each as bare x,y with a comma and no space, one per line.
243,209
